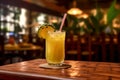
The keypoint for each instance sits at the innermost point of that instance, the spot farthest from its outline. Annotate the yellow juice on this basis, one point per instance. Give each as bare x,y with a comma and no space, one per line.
55,47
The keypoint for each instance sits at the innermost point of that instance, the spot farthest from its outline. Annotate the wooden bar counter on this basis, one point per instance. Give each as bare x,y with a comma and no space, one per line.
79,70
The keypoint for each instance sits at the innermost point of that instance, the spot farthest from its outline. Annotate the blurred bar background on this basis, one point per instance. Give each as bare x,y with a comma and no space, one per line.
91,35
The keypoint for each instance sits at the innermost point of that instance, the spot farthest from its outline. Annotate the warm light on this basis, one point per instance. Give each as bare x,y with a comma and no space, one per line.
94,12
74,11
83,16
41,18
82,23
116,23
23,18
53,20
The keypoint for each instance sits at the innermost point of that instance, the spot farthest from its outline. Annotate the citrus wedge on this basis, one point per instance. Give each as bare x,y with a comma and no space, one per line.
43,30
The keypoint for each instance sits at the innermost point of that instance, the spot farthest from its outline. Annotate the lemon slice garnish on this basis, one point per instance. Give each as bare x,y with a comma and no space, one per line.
43,30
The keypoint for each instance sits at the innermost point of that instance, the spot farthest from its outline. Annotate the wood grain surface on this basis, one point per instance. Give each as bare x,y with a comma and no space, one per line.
80,70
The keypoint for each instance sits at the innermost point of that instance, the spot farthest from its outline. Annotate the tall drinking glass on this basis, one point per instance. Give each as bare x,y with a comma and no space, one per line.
55,48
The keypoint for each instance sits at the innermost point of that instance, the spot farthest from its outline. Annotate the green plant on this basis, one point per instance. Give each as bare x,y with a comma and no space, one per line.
94,23
111,14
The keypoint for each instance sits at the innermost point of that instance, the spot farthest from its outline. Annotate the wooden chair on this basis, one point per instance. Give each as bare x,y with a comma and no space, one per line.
72,46
118,37
107,47
79,47
115,46
103,47
86,47
94,43
111,49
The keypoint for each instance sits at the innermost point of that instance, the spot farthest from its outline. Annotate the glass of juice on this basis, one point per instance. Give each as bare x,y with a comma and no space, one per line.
55,47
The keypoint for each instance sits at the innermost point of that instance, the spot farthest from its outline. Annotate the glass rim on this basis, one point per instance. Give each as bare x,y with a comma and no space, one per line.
56,31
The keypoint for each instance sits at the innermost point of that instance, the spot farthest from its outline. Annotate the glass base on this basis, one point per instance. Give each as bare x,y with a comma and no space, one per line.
51,64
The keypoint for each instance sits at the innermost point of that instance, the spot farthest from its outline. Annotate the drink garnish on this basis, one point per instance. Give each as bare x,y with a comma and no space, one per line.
43,30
